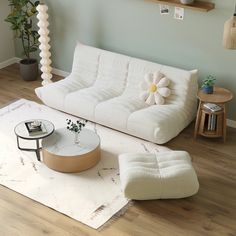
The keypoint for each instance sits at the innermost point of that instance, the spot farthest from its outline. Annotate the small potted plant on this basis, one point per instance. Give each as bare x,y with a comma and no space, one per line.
21,19
208,84
76,128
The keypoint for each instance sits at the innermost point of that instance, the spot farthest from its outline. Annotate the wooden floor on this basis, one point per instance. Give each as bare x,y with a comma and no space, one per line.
211,212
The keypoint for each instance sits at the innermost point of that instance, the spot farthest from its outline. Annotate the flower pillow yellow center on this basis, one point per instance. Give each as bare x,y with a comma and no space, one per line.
153,88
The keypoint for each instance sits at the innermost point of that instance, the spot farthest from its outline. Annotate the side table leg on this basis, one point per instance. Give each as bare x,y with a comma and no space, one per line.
197,120
224,124
37,151
17,139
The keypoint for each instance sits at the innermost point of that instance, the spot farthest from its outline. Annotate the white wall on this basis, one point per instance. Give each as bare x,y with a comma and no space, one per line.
7,50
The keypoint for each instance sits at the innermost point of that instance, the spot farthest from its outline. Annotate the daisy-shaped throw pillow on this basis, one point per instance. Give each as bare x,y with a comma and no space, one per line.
155,88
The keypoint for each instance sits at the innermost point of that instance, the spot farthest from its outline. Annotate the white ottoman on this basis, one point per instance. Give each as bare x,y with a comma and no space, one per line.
163,175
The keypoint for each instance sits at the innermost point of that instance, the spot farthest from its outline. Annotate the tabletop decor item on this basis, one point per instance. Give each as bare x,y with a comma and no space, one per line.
35,127
21,19
44,44
229,37
207,84
76,128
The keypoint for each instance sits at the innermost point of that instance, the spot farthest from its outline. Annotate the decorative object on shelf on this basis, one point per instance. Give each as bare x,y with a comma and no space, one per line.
211,115
21,20
154,88
76,128
186,1
208,84
44,44
229,37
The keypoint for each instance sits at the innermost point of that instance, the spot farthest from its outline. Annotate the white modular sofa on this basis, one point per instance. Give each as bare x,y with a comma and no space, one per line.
104,87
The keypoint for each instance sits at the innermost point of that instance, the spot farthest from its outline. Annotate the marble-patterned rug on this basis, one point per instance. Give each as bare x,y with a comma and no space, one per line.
91,197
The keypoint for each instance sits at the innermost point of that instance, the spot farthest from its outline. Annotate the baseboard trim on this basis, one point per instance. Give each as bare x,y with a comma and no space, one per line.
231,123
55,71
60,72
9,62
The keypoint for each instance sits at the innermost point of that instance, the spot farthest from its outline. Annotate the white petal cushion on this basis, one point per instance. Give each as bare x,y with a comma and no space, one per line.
163,175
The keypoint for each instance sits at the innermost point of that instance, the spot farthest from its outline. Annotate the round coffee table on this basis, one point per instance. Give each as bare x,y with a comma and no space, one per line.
22,132
62,154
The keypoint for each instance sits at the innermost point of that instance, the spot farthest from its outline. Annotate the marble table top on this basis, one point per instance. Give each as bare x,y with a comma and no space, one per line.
61,142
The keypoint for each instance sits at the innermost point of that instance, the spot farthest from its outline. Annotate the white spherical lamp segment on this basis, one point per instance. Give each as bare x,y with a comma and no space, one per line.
44,44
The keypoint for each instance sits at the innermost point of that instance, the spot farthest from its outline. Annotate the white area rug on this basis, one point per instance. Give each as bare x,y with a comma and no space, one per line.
91,197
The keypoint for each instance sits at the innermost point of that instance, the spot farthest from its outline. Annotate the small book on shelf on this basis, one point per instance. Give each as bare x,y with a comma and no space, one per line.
211,126
212,107
35,130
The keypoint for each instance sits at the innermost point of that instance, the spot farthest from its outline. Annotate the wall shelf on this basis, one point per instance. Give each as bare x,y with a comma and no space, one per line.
197,5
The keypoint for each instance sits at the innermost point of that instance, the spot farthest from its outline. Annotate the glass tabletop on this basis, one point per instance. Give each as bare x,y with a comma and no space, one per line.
22,132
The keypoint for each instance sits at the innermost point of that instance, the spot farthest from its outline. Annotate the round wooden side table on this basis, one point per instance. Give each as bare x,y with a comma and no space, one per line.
205,117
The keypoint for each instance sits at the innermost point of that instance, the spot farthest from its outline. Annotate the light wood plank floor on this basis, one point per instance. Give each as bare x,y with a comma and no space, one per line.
211,212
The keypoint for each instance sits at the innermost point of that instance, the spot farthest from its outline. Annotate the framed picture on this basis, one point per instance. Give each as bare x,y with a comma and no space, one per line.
164,10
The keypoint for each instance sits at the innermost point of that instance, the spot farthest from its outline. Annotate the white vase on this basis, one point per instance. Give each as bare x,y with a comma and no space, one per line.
186,1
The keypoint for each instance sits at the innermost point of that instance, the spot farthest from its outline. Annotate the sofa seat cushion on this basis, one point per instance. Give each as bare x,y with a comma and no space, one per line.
116,111
83,102
163,175
157,123
54,94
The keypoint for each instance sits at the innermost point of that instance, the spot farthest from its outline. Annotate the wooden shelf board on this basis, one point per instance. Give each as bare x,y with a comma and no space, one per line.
197,5
211,134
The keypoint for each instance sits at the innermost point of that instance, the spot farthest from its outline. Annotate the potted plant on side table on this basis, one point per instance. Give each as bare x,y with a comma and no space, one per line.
208,84
21,20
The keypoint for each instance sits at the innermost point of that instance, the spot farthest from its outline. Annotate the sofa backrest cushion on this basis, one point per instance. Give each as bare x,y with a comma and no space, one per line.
112,71
85,64
123,74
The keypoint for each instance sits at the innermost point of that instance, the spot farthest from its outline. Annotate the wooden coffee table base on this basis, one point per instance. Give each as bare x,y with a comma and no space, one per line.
72,164
61,152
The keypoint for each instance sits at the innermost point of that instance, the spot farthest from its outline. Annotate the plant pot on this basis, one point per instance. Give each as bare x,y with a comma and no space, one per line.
29,69
186,1
207,89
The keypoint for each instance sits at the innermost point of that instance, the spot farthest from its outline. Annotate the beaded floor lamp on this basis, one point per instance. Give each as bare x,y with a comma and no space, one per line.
44,44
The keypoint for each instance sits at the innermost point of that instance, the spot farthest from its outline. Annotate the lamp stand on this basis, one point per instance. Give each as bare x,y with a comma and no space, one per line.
44,44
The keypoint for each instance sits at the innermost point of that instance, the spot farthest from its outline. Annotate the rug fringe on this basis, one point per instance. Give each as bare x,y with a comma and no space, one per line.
115,217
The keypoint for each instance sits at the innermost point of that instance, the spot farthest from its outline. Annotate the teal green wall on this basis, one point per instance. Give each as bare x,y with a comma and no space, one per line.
135,28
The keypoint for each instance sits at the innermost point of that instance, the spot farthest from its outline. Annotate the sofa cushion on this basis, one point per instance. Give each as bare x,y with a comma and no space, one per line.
116,111
157,123
84,74
110,83
54,94
163,175
83,102
86,64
